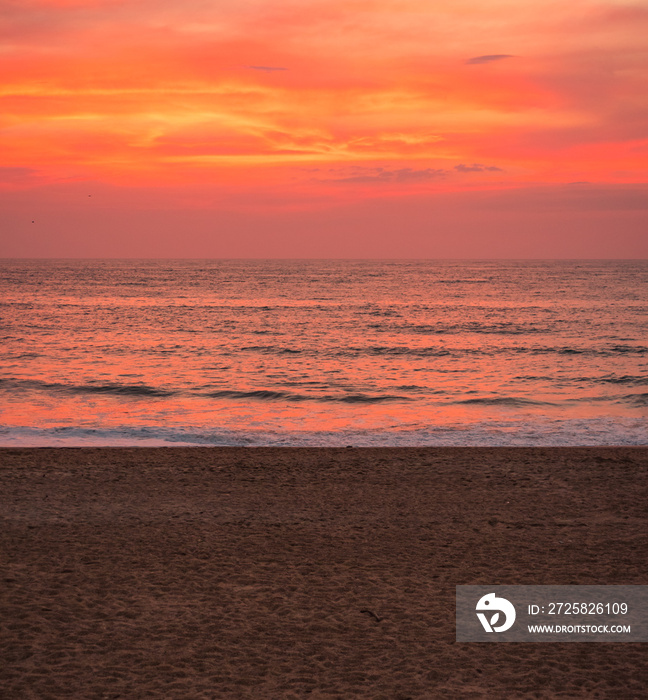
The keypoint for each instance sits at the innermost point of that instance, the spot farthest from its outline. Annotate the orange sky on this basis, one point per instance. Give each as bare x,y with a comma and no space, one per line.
368,128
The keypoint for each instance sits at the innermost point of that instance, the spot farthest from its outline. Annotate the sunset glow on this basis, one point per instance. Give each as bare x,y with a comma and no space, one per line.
296,116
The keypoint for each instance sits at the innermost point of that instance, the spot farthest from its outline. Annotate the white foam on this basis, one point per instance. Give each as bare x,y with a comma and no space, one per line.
546,433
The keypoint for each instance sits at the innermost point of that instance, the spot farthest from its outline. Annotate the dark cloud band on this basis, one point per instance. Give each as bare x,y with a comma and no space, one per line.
488,58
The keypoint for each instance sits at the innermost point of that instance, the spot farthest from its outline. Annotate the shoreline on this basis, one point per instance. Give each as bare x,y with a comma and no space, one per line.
243,572
500,430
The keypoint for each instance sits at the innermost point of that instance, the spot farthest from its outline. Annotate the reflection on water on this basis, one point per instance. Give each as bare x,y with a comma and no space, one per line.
276,352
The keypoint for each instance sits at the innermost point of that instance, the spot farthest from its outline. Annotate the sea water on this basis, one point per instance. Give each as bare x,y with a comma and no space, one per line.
323,352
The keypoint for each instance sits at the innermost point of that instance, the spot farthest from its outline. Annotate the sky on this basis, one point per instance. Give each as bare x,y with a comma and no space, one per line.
324,128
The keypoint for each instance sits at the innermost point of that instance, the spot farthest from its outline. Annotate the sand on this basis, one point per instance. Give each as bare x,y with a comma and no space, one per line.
306,573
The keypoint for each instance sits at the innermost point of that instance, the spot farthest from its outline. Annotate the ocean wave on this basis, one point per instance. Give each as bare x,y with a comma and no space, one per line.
398,350
269,395
627,349
57,387
504,328
503,401
270,349
533,378
625,379
523,433
638,400
486,350
602,351
120,390
363,398
630,380
261,394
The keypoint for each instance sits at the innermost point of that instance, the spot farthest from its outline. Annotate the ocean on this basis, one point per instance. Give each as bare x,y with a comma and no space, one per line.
323,352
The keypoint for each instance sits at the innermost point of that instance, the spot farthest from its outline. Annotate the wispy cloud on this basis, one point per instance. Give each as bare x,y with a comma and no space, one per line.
488,58
17,175
268,69
476,168
382,175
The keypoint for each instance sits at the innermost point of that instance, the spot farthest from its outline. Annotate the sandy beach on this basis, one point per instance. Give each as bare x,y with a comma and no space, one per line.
306,572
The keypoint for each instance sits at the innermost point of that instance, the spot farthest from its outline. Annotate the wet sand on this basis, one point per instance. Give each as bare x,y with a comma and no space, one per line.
306,573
